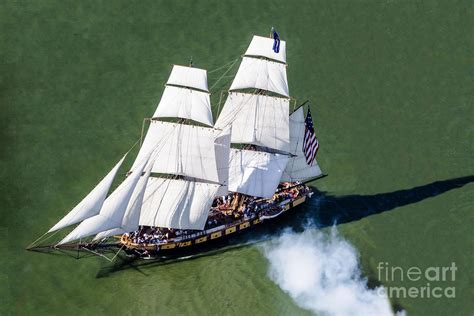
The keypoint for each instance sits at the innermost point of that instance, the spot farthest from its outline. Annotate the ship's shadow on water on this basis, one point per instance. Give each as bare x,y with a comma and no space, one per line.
327,210
322,210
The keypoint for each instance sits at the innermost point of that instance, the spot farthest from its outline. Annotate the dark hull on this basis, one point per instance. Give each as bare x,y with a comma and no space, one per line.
208,240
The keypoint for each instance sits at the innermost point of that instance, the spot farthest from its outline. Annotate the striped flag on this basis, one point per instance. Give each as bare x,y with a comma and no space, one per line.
310,142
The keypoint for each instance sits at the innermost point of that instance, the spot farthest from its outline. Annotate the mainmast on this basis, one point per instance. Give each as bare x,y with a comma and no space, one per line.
259,118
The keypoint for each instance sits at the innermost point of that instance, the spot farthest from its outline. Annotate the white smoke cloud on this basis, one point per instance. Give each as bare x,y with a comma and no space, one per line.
321,273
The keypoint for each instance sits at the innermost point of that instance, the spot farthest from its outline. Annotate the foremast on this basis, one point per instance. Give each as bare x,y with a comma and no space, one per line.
175,176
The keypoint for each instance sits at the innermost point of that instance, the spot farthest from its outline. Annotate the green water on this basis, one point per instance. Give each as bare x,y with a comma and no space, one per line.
392,97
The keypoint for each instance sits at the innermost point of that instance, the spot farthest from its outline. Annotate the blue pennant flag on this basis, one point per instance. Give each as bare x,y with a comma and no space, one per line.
276,41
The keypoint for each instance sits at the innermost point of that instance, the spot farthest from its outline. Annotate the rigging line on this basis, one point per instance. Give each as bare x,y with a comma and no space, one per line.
223,66
133,146
139,140
113,258
34,242
228,76
97,254
225,73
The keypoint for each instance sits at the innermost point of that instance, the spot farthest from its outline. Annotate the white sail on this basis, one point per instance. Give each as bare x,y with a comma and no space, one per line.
255,173
257,119
132,214
113,210
181,150
261,74
92,203
179,204
185,103
222,146
111,232
263,47
297,169
188,77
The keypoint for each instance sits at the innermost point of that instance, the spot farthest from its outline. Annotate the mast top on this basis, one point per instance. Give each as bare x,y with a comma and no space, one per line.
188,77
266,47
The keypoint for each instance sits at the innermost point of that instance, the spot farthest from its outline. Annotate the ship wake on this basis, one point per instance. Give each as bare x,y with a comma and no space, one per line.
321,273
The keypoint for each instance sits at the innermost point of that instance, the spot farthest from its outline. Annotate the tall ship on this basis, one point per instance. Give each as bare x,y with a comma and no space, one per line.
196,181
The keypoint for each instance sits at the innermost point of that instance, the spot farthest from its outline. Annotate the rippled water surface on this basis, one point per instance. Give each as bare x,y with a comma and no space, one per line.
391,90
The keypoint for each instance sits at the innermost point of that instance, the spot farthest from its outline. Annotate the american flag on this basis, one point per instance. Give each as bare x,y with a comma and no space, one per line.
310,142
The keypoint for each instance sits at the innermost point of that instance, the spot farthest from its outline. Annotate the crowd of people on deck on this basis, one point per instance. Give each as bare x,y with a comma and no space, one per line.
224,210
152,235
